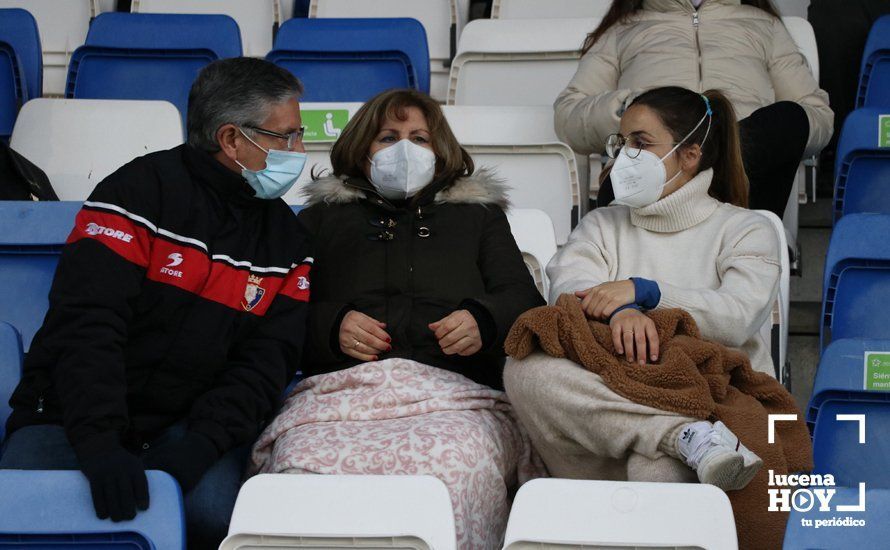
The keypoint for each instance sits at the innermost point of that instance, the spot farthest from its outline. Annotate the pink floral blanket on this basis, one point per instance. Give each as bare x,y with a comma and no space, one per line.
402,417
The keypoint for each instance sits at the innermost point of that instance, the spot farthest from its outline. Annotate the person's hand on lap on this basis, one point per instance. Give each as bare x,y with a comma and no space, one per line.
631,332
458,333
363,337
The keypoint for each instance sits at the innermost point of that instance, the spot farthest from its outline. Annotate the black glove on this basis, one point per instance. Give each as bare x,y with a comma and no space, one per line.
186,458
117,483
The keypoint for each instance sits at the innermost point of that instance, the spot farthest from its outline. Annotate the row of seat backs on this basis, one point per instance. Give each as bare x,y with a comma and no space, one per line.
379,511
848,419
157,56
415,512
64,24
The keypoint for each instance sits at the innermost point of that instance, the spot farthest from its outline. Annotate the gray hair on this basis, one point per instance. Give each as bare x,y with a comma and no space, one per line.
240,91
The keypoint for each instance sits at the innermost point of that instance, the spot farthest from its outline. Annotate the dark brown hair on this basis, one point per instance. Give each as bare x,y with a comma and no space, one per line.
680,110
621,10
350,153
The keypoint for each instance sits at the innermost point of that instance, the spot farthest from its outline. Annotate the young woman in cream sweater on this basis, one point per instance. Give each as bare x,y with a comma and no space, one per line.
677,236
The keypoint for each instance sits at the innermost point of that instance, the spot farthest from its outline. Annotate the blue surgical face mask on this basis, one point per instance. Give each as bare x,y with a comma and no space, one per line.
283,169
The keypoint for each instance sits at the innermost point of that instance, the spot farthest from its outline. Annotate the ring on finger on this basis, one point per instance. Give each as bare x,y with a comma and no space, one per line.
355,343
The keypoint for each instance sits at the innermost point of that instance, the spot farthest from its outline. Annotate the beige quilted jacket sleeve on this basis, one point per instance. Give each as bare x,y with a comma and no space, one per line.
589,109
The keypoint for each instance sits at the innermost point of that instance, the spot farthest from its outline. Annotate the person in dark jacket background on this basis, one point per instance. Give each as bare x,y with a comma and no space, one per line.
416,281
178,309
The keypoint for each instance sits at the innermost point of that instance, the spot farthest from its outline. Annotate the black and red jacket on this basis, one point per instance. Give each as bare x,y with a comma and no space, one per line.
178,296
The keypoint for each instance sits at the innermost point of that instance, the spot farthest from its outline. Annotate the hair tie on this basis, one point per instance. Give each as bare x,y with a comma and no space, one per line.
707,105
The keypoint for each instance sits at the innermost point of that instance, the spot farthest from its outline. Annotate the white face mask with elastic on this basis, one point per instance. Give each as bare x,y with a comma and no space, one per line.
401,170
638,182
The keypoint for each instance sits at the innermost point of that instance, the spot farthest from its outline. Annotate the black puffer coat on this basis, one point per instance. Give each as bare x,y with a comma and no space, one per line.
412,264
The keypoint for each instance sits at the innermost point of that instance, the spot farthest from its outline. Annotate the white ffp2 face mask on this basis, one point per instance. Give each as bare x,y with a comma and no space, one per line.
403,169
638,182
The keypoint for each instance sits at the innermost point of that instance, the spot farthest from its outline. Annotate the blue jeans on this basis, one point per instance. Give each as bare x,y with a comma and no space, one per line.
208,507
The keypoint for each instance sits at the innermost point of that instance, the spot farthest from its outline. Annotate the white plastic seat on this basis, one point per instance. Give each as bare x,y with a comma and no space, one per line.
516,61
519,144
318,140
78,142
573,514
438,18
63,26
549,9
779,319
338,511
256,18
533,231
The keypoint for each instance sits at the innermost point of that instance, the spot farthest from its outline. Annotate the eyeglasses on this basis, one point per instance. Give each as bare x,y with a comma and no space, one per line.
292,138
632,143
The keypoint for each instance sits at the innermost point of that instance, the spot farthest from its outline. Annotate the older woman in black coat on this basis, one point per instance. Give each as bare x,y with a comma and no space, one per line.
416,282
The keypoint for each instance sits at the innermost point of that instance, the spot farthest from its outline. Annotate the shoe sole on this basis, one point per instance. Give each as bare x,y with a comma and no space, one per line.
730,472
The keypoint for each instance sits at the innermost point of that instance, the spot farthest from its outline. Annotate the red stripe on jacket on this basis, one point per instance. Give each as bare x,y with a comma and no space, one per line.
189,268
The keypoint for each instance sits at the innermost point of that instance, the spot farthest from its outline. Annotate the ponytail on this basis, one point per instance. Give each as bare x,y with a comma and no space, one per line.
680,110
730,183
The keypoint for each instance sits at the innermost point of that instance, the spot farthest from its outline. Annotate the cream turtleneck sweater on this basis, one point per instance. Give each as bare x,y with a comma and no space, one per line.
717,261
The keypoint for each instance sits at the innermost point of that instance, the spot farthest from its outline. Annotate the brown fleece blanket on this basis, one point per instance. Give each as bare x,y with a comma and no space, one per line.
694,377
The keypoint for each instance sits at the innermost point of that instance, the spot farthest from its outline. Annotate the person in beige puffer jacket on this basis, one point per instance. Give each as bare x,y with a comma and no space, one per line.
739,47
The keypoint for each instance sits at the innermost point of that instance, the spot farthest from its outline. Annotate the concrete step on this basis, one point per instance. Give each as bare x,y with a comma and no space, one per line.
804,356
813,242
805,318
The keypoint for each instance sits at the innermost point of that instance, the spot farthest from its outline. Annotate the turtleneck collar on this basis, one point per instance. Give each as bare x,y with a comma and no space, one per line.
684,208
209,171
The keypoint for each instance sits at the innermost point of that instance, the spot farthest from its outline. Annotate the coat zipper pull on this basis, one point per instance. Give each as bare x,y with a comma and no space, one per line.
40,405
695,19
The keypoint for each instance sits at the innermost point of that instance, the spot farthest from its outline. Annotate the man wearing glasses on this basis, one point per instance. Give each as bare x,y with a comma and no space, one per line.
178,308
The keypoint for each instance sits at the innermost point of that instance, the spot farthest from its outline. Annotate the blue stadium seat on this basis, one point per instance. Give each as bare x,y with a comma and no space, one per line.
840,374
862,169
10,369
12,90
53,509
874,76
874,534
837,449
21,65
32,235
342,60
18,28
149,56
856,285
839,388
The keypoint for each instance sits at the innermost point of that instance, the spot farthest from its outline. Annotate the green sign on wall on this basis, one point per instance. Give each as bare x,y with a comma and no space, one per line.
324,124
884,129
877,371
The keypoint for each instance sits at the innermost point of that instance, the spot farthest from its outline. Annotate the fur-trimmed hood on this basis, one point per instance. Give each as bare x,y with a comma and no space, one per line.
483,187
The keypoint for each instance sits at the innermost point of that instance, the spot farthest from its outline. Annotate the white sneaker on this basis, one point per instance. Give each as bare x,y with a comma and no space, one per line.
717,455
